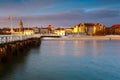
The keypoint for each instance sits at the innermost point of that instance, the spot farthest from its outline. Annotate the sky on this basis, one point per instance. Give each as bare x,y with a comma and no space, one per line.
59,13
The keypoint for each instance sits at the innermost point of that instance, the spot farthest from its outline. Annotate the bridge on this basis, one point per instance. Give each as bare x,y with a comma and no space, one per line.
13,45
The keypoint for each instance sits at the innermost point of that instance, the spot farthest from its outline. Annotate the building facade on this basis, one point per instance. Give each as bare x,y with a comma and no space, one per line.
89,28
60,31
115,29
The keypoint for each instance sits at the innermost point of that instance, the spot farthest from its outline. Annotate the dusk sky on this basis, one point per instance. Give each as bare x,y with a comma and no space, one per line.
59,13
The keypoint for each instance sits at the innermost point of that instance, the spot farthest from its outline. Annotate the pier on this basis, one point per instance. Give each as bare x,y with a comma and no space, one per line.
13,45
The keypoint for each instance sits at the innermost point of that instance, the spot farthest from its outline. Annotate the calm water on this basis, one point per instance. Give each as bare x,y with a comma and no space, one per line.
66,60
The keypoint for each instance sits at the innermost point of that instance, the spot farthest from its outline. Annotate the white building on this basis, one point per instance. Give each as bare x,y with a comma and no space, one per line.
60,31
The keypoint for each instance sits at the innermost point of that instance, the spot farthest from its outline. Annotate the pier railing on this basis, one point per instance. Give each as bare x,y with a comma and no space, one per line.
13,37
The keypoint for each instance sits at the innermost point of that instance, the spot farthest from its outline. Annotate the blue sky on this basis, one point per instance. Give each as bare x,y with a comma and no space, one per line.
59,13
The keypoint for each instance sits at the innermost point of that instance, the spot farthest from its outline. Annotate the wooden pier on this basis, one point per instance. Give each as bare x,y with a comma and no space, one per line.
14,45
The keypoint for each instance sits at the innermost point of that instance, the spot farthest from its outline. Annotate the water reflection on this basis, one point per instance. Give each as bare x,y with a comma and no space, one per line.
8,68
54,47
96,47
78,48
66,60
62,47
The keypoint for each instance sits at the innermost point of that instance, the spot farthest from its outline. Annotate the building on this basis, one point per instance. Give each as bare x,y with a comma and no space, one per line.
50,28
21,26
21,30
5,31
99,29
28,31
18,31
36,30
84,28
115,29
44,31
15,31
69,31
80,28
89,29
60,31
108,31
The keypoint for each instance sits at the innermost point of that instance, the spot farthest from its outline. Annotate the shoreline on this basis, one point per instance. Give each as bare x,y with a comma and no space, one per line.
86,38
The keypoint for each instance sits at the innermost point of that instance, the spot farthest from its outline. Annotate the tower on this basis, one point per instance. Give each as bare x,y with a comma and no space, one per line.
20,26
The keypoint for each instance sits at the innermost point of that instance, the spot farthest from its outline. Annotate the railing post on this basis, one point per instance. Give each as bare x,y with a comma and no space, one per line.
0,40
6,39
11,38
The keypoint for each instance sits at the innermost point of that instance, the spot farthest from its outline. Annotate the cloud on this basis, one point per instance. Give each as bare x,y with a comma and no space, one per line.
107,17
24,7
37,7
61,12
103,14
69,18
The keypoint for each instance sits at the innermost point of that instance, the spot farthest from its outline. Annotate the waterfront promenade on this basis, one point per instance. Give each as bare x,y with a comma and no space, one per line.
110,37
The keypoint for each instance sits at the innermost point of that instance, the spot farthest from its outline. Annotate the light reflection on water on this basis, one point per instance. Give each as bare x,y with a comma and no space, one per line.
67,60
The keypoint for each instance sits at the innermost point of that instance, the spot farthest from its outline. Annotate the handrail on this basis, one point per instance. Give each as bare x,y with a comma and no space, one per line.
13,37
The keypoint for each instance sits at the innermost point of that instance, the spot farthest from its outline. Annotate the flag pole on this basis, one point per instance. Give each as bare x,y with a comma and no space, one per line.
10,18
11,23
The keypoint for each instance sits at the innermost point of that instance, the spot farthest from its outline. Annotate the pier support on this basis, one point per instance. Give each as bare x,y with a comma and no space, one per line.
17,48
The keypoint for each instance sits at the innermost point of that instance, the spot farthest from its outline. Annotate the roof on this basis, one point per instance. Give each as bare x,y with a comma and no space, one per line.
59,29
69,28
90,24
87,24
43,28
116,25
6,29
28,28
